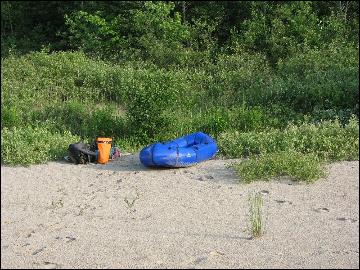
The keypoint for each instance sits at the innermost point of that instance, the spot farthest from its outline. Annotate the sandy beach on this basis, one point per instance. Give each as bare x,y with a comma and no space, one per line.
124,215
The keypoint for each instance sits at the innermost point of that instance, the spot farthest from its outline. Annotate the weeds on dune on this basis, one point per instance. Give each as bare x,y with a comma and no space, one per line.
301,167
256,215
30,145
329,140
298,151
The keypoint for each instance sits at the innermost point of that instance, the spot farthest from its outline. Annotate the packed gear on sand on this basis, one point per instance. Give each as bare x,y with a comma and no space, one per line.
104,148
100,151
80,153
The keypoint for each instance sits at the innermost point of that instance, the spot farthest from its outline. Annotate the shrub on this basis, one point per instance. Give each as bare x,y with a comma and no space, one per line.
217,120
239,78
302,167
38,79
343,115
153,32
31,145
10,117
328,140
153,95
95,35
246,118
326,78
212,121
104,122
234,144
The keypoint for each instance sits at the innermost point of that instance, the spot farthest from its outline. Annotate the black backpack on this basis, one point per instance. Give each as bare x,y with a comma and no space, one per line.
81,153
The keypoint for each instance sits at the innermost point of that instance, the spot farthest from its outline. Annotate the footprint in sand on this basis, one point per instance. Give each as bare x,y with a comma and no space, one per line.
51,265
70,239
213,253
200,259
352,220
282,201
38,251
204,177
30,234
321,209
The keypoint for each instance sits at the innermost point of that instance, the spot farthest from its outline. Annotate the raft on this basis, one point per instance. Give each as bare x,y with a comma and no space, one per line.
181,152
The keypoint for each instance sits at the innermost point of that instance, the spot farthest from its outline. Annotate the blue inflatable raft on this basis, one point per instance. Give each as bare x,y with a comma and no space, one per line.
182,152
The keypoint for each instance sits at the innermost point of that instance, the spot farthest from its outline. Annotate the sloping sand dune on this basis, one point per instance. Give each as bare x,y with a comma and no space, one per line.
123,215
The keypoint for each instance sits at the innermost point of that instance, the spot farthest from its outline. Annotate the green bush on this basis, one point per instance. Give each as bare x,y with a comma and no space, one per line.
283,30
235,144
239,78
73,115
326,78
302,167
154,33
104,122
328,140
31,145
39,79
217,120
248,119
149,100
212,121
10,117
343,115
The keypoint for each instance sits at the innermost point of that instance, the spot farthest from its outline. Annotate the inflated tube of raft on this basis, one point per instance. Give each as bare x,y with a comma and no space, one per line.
182,152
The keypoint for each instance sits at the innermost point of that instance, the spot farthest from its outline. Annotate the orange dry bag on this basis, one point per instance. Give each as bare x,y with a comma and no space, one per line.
104,147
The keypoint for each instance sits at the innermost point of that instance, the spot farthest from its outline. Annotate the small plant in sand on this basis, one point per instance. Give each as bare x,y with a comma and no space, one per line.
131,201
256,217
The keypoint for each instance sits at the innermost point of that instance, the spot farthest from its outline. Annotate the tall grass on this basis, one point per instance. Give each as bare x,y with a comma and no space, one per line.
256,214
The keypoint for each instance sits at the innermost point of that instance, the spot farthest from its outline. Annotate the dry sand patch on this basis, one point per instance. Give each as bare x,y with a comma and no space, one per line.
124,215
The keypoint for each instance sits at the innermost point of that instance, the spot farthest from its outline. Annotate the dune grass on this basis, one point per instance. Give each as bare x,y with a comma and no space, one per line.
256,203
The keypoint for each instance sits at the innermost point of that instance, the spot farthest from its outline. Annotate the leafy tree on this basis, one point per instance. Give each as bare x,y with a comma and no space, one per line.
95,35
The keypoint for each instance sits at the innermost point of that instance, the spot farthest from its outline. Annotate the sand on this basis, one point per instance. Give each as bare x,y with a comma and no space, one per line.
124,215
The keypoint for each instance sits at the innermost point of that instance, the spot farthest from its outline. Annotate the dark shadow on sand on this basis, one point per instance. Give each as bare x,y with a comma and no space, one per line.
200,172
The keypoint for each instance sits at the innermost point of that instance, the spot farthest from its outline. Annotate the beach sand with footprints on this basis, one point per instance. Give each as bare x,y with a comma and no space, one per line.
124,215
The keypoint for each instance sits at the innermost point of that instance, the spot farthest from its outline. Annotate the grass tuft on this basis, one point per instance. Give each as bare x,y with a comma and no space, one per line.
256,216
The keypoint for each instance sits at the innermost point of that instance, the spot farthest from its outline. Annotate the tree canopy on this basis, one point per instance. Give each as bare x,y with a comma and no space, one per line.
132,29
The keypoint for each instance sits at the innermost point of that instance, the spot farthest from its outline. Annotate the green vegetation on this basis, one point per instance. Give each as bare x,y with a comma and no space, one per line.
298,151
267,80
256,215
328,140
28,145
303,167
